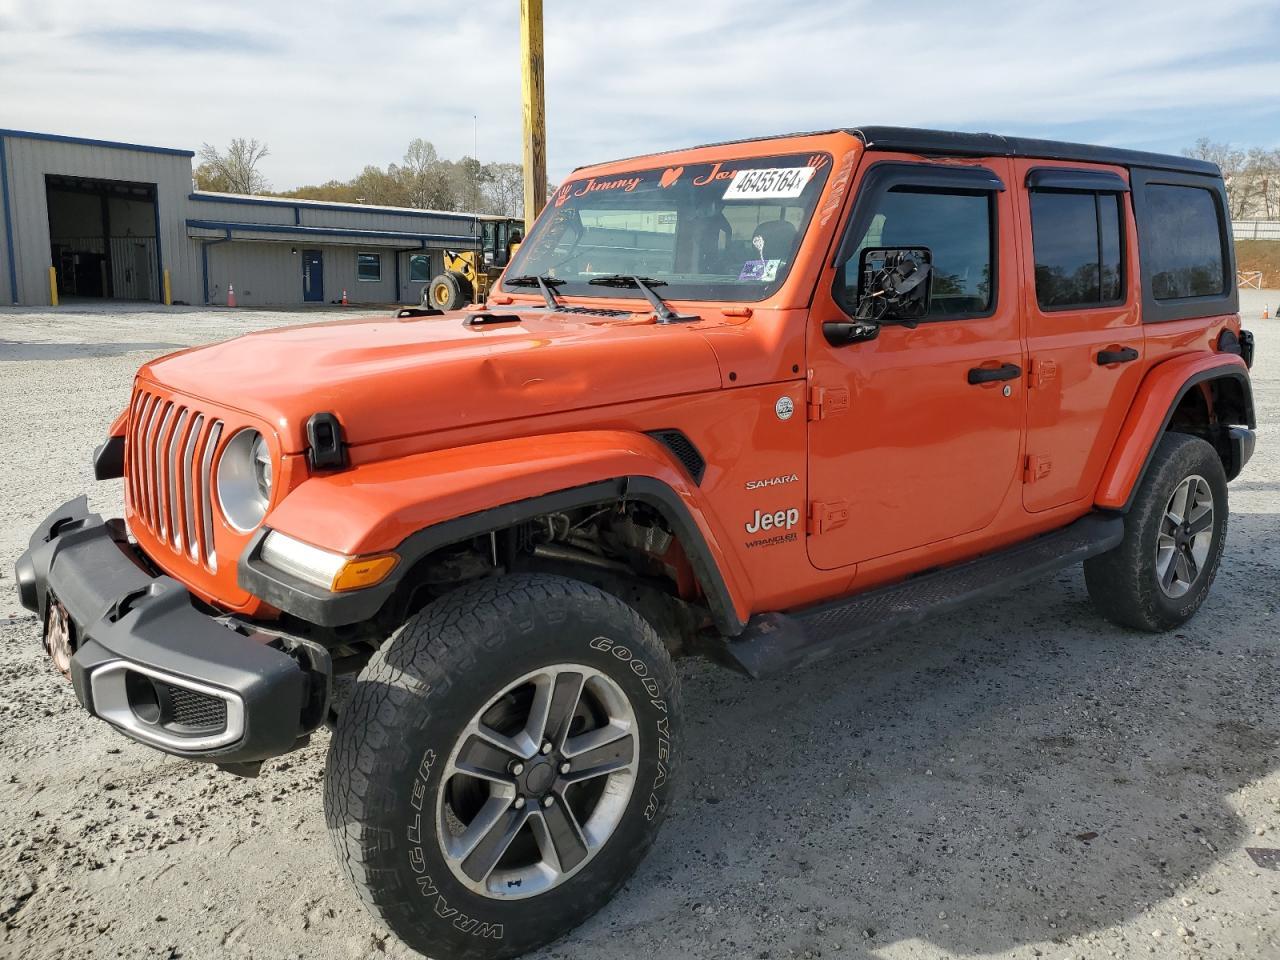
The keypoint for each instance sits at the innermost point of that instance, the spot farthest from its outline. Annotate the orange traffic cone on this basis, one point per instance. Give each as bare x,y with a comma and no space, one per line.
1266,313
231,294
344,296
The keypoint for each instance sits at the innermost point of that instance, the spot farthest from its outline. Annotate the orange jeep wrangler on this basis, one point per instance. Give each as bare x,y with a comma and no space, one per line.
753,401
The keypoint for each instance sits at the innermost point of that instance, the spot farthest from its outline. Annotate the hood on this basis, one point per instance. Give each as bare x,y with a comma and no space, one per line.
385,377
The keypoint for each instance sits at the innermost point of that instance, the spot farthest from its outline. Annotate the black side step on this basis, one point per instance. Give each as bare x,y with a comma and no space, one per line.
773,642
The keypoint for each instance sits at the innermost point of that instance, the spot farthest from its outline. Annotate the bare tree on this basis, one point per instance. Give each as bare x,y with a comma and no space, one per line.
425,177
236,170
505,189
1231,161
1262,170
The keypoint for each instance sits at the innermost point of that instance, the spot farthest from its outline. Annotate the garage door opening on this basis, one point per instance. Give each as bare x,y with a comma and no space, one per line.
102,236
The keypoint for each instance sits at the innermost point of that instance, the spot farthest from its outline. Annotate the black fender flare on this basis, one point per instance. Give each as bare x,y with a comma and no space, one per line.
328,609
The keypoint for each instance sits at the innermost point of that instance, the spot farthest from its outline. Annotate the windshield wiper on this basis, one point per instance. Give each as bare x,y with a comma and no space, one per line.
546,284
645,285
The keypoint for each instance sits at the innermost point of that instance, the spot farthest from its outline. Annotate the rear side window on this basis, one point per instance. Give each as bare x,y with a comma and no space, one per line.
1183,242
1078,251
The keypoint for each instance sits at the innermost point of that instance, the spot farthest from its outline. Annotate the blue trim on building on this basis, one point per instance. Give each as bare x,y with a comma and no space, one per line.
8,220
198,197
86,142
422,238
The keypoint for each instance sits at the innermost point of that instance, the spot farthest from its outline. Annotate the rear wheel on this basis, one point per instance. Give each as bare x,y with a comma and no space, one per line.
449,291
1175,532
502,765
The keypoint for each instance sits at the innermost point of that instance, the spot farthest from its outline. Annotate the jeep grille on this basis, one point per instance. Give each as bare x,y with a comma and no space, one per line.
169,464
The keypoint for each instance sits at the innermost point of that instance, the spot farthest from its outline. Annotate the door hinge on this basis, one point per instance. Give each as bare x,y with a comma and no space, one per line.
1041,372
827,402
1037,467
825,517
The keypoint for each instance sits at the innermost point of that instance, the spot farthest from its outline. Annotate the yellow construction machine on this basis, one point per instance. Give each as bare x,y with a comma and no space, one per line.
468,273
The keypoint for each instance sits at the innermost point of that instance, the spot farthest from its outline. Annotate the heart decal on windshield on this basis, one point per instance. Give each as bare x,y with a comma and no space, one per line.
670,176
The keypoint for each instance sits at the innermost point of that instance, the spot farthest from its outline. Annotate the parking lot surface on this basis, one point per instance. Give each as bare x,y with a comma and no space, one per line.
1023,779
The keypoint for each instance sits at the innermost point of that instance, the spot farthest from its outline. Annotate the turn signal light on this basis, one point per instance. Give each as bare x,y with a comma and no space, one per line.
364,572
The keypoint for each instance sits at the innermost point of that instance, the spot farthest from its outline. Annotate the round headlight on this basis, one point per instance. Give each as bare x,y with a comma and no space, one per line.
244,480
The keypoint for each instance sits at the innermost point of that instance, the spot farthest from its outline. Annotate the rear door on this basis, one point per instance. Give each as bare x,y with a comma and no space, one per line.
907,446
1084,331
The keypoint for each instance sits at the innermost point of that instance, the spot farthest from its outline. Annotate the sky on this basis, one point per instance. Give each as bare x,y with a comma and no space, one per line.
332,87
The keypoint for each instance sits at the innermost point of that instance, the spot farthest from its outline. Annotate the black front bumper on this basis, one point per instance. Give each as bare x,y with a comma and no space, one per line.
154,666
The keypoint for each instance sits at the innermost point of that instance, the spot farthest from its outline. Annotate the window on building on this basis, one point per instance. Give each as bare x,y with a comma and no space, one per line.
420,268
1076,239
957,229
1183,242
369,266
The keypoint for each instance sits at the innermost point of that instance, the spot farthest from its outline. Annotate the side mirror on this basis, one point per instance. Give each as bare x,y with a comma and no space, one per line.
894,285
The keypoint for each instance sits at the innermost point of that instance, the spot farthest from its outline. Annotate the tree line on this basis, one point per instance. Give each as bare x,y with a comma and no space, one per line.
1252,177
423,179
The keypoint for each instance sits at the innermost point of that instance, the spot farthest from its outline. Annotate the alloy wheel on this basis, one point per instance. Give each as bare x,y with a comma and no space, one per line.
1185,537
538,781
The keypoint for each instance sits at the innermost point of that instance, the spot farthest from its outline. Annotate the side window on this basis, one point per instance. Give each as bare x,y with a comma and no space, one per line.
956,226
1183,242
1077,242
420,268
368,266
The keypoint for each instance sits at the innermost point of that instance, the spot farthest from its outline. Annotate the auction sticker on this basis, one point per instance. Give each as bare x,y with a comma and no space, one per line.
769,183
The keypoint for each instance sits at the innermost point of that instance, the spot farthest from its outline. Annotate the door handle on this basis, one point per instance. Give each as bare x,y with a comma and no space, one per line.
1008,371
1123,355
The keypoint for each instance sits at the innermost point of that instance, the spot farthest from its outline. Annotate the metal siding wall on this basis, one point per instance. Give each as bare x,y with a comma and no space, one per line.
340,274
239,212
383,220
269,274
30,160
263,273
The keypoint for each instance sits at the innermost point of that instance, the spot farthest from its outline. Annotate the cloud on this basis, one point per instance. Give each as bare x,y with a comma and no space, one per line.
135,39
332,87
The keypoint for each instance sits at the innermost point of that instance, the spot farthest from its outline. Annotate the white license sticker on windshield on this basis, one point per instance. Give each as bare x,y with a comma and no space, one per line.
769,182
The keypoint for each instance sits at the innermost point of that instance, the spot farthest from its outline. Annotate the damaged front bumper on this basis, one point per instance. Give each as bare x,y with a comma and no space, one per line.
143,658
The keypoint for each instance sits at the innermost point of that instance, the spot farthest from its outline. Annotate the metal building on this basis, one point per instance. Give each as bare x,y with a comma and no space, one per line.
118,220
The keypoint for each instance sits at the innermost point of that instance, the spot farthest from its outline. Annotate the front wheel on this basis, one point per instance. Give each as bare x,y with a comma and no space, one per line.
449,291
1175,532
503,765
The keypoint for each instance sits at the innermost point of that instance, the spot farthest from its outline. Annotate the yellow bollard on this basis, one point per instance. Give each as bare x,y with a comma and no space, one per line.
168,291
53,286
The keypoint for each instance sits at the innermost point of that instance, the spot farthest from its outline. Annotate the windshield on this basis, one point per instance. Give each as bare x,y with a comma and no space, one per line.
727,230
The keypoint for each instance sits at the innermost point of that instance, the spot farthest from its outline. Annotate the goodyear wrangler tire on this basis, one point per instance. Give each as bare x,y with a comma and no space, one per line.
503,765
1174,534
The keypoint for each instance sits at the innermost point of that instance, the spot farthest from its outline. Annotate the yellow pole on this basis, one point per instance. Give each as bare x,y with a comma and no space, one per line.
535,118
168,291
53,286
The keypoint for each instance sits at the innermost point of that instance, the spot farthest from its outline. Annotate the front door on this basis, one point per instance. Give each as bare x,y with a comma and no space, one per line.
916,436
312,276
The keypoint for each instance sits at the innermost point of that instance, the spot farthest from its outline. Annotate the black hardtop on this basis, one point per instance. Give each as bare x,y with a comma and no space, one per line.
914,140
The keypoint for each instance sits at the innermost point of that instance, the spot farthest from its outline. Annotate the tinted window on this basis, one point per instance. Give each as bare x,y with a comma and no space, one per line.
419,268
1182,242
369,266
956,227
1076,239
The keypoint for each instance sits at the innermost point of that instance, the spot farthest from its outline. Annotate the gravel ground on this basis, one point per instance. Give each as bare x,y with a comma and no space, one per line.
1020,780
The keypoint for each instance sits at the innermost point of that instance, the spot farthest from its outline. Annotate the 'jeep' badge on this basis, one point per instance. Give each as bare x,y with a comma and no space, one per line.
784,408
